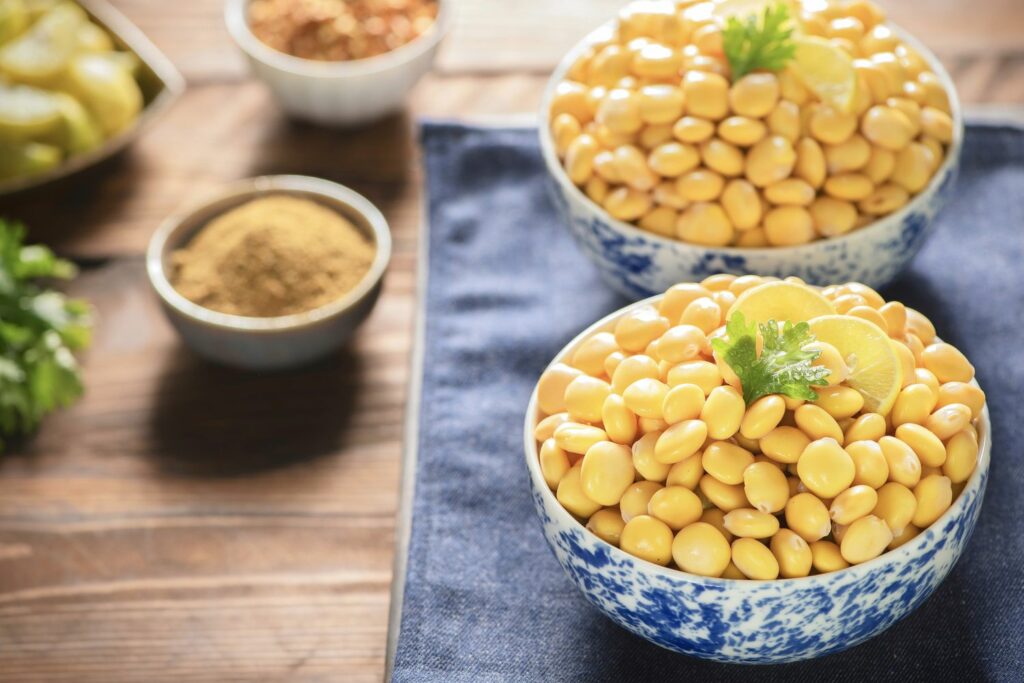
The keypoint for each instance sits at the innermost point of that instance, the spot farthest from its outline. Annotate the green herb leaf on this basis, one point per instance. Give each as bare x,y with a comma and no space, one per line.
39,330
759,42
783,367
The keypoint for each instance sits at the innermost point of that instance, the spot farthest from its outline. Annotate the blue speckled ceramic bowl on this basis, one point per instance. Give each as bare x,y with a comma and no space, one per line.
639,263
753,622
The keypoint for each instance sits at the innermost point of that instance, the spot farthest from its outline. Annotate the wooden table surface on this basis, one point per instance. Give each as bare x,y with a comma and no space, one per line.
191,523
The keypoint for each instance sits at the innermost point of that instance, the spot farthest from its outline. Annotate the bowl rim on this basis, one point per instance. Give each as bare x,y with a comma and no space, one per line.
556,171
236,19
903,552
254,188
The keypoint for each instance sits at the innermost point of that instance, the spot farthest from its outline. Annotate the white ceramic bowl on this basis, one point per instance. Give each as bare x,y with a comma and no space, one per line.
752,621
639,263
279,342
338,93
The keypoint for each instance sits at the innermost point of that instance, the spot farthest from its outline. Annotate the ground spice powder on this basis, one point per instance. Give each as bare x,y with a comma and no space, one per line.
272,256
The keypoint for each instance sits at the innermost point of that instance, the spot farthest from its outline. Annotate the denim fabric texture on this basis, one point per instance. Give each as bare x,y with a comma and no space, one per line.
485,599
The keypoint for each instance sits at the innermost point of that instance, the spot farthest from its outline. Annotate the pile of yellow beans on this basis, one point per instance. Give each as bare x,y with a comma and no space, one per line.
653,128
643,434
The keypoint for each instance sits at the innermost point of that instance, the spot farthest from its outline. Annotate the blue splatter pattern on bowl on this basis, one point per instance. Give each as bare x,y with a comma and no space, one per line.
753,622
638,263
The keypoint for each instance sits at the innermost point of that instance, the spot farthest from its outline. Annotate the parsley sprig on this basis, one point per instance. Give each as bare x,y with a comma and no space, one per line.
759,42
783,367
39,330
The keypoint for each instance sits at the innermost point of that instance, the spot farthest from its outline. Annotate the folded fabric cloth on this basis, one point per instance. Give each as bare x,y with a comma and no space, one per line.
484,598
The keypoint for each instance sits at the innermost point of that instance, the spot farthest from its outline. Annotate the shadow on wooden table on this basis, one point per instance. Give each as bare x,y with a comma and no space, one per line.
79,206
210,421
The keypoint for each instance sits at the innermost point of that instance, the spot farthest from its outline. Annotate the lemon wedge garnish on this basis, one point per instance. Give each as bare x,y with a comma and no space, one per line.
875,369
826,70
781,301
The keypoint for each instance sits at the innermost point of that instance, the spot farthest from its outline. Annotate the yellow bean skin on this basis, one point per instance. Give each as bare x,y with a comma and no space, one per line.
551,387
765,486
853,503
929,448
554,463
808,517
839,401
750,523
606,472
825,468
584,398
726,461
676,506
645,397
545,429
960,392
961,456
904,465
948,420
648,538
784,444
896,505
577,438
913,404
682,343
701,549
570,494
618,420
934,495
680,441
866,539
636,498
754,559
644,461
631,369
686,473
826,557
683,402
792,553
818,424
607,525
726,497
947,363
867,427
909,533
762,416
722,412
870,466
591,354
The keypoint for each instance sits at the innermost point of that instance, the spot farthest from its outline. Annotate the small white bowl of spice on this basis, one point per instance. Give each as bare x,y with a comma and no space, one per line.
272,272
339,62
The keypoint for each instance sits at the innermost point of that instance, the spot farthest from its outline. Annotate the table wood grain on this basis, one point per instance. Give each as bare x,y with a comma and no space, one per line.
190,523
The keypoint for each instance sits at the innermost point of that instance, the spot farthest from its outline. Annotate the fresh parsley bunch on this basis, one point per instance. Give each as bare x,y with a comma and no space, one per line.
783,367
39,330
759,41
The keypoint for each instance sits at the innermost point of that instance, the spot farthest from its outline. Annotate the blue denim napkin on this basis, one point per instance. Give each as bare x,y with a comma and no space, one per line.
485,599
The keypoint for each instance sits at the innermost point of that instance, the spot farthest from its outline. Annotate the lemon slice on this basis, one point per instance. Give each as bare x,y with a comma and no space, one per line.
78,131
106,87
13,19
22,159
781,301
826,70
92,38
875,369
27,112
41,54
